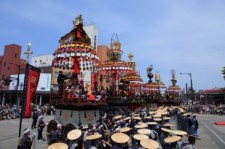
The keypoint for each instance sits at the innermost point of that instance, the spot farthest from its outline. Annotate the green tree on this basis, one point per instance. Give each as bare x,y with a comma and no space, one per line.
223,72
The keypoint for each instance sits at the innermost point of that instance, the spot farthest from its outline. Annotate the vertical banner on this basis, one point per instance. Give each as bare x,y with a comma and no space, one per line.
30,85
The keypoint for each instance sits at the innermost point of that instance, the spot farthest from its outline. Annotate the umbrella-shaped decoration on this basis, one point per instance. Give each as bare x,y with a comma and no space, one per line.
75,53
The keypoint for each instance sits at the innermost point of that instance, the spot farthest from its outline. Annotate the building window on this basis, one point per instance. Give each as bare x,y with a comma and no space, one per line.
15,55
40,61
35,61
4,63
8,68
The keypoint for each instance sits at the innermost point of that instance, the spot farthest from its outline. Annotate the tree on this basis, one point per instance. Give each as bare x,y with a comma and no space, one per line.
223,72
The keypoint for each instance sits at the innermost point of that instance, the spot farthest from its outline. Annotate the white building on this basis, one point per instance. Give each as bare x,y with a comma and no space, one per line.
44,83
92,32
42,61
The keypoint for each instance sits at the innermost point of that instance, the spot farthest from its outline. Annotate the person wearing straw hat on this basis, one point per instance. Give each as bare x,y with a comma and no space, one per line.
158,126
165,134
119,141
191,142
74,137
88,132
58,146
154,134
95,143
180,134
56,135
137,138
26,141
171,142
149,144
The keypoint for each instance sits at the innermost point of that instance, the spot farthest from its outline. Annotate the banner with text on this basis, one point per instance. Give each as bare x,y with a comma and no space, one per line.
30,85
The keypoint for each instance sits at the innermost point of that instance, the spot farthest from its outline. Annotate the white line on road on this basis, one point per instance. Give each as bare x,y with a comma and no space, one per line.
213,132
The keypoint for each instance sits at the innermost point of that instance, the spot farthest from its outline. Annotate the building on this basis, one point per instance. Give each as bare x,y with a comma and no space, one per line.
92,32
42,61
42,91
213,96
11,62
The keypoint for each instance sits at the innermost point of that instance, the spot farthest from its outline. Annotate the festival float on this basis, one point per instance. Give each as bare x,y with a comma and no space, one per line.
75,100
152,89
173,91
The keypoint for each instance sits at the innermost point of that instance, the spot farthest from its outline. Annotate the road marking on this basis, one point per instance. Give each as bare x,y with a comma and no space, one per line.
213,132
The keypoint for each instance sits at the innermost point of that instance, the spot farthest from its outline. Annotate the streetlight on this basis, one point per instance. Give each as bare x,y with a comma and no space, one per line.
28,52
191,84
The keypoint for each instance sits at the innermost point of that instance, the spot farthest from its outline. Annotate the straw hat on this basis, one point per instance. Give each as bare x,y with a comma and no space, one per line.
141,126
151,112
118,117
168,125
126,118
144,131
148,117
167,130
157,116
149,144
157,119
151,123
179,132
94,136
120,137
141,123
58,146
137,117
166,118
165,113
125,129
172,139
74,134
140,136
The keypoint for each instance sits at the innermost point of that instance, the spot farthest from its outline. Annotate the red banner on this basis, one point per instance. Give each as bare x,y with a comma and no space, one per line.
31,86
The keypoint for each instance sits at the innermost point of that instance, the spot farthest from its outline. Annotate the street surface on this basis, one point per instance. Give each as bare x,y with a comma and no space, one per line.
212,136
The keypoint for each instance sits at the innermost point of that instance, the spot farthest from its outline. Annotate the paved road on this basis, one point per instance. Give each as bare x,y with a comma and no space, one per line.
9,133
212,136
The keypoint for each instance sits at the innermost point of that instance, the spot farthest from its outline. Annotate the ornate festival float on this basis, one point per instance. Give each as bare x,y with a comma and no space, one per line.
72,82
173,91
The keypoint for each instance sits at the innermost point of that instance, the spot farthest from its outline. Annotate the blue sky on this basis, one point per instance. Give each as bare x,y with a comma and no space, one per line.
185,35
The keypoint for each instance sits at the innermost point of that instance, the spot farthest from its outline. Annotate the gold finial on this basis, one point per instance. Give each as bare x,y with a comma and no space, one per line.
157,76
130,55
28,52
78,21
173,72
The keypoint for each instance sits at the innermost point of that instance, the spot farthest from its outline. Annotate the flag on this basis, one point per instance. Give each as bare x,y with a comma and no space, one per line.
30,85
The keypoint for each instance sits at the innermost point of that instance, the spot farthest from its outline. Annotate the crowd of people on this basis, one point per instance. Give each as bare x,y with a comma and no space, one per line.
144,128
9,112
199,108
